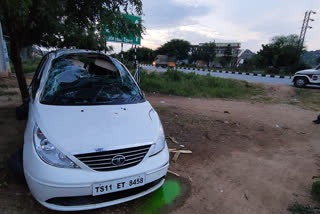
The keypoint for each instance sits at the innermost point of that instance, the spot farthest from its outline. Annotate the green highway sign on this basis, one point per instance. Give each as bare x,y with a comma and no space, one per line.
136,40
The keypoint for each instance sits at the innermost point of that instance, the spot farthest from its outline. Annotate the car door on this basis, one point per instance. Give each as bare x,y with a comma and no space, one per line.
22,112
35,83
316,76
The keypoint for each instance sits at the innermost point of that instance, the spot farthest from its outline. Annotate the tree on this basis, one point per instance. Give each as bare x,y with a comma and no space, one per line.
227,56
281,52
194,54
207,52
175,48
63,23
145,55
318,60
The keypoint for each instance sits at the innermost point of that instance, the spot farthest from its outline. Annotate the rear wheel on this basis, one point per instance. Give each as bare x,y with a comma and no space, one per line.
300,82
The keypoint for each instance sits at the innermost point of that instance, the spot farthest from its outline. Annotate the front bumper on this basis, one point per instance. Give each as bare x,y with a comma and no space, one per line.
54,187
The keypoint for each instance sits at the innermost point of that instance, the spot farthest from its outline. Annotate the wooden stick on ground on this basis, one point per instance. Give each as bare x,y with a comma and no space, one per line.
180,151
173,140
174,173
176,156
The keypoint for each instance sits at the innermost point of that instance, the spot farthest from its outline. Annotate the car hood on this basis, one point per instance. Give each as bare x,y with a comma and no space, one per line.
84,129
307,71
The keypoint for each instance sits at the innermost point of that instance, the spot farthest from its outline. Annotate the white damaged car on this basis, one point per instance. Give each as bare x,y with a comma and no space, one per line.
307,77
92,139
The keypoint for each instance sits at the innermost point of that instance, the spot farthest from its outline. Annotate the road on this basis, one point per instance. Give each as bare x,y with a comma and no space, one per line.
228,75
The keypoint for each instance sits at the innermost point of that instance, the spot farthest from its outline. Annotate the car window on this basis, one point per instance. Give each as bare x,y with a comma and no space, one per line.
89,79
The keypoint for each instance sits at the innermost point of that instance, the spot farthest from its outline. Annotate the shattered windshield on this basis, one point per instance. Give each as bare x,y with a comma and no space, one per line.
83,79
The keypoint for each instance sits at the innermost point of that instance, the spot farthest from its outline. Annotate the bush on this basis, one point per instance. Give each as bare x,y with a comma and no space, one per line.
297,208
193,85
315,190
272,70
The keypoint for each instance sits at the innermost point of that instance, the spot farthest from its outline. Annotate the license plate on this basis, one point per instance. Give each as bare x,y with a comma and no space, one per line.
118,185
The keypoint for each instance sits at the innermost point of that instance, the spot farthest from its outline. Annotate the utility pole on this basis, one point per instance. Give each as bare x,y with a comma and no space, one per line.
304,28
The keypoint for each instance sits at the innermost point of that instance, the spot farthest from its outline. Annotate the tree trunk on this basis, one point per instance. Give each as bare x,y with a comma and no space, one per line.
17,64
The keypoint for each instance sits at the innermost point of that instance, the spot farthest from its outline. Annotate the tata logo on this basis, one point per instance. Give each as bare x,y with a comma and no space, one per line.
118,160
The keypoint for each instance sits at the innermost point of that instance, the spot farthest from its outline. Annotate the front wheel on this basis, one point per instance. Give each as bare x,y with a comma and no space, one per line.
300,82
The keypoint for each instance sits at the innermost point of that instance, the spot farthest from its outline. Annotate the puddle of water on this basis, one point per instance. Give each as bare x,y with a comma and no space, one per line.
165,195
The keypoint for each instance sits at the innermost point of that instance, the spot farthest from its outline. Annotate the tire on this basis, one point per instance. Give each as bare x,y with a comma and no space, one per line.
300,82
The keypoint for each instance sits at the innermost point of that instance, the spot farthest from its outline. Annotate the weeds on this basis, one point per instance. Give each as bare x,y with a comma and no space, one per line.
193,85
308,97
315,190
297,208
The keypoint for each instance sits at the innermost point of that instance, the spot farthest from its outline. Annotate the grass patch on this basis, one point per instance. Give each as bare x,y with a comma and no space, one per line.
29,67
297,208
193,85
308,97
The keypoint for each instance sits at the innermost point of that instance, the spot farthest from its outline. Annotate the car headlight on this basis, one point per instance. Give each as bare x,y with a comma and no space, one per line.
48,152
159,144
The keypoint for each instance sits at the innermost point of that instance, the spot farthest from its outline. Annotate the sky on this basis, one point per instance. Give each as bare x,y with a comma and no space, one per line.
250,22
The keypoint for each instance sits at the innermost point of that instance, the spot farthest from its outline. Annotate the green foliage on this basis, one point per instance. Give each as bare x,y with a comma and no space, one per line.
297,208
318,60
64,23
193,85
227,57
67,23
175,48
207,52
282,54
315,190
144,55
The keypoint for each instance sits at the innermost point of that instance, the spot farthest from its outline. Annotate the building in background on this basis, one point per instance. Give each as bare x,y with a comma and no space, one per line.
220,50
222,46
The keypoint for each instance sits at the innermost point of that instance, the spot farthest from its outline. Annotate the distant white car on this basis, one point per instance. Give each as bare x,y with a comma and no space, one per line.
92,139
306,77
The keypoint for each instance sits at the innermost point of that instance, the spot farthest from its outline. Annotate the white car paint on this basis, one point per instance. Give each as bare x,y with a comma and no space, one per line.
312,75
84,129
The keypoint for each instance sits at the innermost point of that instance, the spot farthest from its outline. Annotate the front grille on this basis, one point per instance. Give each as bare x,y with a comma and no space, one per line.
101,161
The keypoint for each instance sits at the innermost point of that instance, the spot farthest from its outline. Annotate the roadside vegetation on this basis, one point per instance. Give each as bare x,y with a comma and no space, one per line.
28,65
298,208
307,98
192,85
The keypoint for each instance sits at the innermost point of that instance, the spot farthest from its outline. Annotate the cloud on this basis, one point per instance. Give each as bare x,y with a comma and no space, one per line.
164,14
250,22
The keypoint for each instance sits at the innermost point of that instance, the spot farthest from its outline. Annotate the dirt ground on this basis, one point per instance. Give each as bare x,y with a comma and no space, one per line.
248,156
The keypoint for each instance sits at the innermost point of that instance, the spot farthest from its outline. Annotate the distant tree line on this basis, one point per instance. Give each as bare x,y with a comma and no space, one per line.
280,55
180,50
